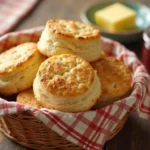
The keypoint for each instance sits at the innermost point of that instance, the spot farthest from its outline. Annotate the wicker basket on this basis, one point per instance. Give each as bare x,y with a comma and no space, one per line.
23,127
26,130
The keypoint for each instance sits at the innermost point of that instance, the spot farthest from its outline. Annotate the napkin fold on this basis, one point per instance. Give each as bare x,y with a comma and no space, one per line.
12,11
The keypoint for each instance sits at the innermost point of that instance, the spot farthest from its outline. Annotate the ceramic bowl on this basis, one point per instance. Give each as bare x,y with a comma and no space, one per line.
142,21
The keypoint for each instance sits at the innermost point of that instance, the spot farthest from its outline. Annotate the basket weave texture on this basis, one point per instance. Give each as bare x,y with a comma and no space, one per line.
51,129
32,133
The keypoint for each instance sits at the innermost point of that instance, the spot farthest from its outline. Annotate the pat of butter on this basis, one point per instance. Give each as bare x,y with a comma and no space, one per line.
116,17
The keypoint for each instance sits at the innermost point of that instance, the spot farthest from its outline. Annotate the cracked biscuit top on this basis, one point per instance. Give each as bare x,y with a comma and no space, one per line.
73,29
17,58
115,76
66,75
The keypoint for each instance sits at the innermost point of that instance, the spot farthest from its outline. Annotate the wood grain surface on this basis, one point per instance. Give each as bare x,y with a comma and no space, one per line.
136,133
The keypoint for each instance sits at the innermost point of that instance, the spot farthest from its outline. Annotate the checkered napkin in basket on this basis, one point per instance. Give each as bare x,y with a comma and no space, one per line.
90,129
12,11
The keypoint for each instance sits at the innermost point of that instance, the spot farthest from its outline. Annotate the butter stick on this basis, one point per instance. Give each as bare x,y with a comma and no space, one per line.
116,17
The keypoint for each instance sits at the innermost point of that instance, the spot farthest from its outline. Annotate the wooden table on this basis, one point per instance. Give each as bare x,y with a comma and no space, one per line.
136,133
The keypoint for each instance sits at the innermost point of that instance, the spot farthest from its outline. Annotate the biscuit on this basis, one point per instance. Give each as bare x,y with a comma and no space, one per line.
67,83
18,68
115,79
66,36
27,97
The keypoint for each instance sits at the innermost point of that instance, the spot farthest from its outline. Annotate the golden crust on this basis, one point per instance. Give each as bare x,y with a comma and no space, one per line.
73,37
66,75
115,77
16,58
27,97
18,68
73,29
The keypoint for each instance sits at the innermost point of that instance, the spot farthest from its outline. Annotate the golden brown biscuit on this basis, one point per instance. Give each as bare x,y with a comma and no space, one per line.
115,80
67,83
66,36
18,68
27,97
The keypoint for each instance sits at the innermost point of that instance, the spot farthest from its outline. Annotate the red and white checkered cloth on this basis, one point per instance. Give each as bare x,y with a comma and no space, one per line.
90,129
12,11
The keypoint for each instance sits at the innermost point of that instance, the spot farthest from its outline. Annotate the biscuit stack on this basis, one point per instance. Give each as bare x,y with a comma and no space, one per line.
66,70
